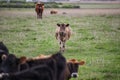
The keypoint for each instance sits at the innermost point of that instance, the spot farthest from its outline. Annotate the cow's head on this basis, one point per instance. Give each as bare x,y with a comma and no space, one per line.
3,50
73,66
3,47
10,63
41,5
62,29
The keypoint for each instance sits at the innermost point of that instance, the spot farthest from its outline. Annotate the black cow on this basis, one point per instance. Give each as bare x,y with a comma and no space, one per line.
72,68
3,51
40,72
57,63
10,63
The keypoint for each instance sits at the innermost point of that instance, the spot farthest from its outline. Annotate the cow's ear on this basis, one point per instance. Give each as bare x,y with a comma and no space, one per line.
58,24
73,60
22,59
81,62
4,57
67,25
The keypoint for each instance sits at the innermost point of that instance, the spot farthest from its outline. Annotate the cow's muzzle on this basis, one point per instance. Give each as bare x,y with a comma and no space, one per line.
3,75
74,75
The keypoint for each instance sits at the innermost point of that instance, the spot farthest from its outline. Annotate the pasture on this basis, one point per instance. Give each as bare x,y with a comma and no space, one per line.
95,38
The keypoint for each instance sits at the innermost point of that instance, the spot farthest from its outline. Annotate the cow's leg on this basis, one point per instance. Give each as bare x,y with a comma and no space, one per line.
60,43
41,15
62,46
38,15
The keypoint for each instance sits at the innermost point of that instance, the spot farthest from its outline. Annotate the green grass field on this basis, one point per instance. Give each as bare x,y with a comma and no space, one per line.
95,39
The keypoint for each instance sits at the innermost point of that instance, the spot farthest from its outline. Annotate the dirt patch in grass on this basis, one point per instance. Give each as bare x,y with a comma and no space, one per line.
84,12
69,12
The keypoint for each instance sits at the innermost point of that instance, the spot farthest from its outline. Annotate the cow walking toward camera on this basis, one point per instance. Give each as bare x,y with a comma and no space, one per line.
39,7
63,33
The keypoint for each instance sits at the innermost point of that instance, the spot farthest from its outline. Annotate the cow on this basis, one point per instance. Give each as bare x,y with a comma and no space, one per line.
3,51
39,8
72,65
72,68
40,72
62,34
53,12
64,13
56,62
10,63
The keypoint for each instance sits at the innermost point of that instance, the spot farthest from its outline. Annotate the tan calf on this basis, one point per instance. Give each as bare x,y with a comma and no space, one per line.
63,33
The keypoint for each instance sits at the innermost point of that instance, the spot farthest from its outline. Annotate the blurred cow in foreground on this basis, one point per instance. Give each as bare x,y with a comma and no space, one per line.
73,68
39,7
40,72
3,51
49,68
63,33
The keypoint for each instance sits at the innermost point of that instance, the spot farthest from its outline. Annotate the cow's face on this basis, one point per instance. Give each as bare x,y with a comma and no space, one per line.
41,6
62,30
1,54
9,63
73,66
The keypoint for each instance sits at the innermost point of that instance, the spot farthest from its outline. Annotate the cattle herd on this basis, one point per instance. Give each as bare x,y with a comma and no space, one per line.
42,67
50,67
39,8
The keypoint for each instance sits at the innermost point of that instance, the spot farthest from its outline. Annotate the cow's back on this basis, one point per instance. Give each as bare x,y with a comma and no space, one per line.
56,62
61,64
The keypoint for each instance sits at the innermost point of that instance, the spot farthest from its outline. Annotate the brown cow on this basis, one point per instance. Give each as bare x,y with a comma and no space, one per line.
53,12
39,7
72,68
63,33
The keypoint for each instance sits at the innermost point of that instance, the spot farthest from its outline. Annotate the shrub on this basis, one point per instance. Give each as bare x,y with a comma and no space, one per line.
22,4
